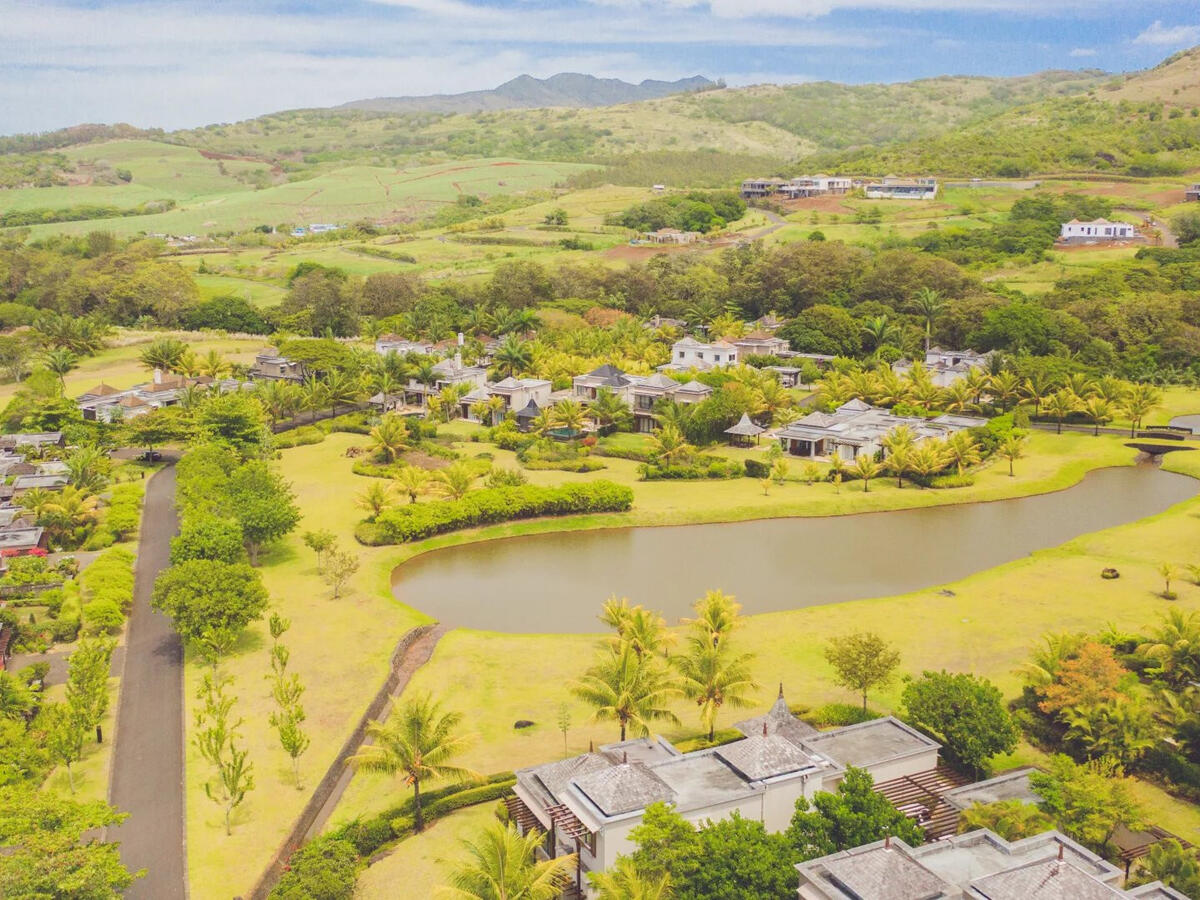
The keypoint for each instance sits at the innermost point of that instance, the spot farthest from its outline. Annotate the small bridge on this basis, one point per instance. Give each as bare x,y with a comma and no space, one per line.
1156,450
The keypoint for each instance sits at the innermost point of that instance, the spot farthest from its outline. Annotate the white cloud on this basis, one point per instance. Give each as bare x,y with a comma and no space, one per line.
1082,51
808,9
1159,35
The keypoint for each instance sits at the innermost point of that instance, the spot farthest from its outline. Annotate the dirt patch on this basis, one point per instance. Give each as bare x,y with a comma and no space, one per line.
425,460
629,253
212,154
821,204
1100,245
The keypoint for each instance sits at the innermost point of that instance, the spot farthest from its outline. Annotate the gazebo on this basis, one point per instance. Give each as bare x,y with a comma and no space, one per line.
741,433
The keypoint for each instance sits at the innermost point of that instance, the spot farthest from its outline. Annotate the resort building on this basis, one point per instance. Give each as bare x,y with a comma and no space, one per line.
391,343
518,393
761,343
856,427
978,865
450,372
605,377
689,353
588,804
815,186
270,366
1077,232
645,392
757,188
36,439
104,403
946,366
1192,193
893,188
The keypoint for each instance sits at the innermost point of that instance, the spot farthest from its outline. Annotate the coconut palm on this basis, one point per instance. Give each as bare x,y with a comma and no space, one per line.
1175,645
669,445
1141,400
513,356
1061,404
864,384
188,364
977,381
88,468
412,480
390,436
454,481
496,409
879,331
543,422
480,411
71,508
163,353
957,397
898,461
672,412
1036,388
1005,387
36,500
502,864
279,399
417,743
609,410
1169,572
1112,389
1047,658
962,450
424,375
1012,448
928,458
60,361
717,615
866,468
645,632
624,881
929,305
711,676
629,690
1081,385
376,498
774,400
892,389
615,613
315,396
341,388
568,415
214,365
1099,410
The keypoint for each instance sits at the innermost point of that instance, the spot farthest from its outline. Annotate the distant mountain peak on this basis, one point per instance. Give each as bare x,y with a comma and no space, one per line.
571,89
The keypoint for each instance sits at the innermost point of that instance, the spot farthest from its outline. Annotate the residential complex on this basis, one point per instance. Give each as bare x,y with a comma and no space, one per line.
945,367
893,188
856,427
104,403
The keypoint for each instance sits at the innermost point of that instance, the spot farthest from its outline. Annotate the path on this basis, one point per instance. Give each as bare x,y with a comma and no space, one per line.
777,221
147,767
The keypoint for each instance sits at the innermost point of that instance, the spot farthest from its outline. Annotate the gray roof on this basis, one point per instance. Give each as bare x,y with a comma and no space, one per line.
1045,880
624,788
745,427
695,387
1009,786
531,410
777,720
550,780
765,756
23,482
870,743
881,873
1156,891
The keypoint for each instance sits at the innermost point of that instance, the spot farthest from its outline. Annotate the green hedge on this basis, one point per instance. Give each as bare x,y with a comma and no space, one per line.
109,577
298,437
124,510
582,464
756,468
714,467
485,507
402,825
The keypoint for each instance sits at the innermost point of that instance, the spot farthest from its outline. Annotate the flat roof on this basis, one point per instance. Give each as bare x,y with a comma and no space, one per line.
1010,786
870,742
702,780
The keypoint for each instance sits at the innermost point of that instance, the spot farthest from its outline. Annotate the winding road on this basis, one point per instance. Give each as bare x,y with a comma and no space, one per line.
147,769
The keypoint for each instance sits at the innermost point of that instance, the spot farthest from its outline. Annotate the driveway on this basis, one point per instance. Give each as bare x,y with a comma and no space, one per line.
147,769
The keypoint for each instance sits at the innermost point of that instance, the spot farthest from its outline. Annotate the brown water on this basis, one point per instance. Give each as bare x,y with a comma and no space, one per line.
556,583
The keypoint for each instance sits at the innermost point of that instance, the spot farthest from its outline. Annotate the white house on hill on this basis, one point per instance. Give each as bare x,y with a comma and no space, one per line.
1079,232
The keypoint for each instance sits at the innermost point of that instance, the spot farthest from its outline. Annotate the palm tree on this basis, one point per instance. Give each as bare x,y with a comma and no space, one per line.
390,436
866,468
958,397
315,394
1081,385
1012,448
669,445
1141,400
1061,404
1036,388
60,361
615,613
36,500
455,480
1010,819
163,353
376,498
513,356
1046,659
1175,644
928,458
417,743
623,881
1004,387
879,331
1169,572
214,365
864,384
1112,389
70,509
481,412
711,676
502,864
630,690
496,409
279,399
893,389
717,615
929,305
644,632
341,388
424,375
898,461
962,450
608,410
1099,410
977,381
88,467
568,415
188,364
412,480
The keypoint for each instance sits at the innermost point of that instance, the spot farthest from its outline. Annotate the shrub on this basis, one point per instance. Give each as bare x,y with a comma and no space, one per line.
324,869
952,481
368,469
701,742
109,577
102,617
756,468
836,715
101,538
469,797
703,467
299,437
65,629
368,836
582,464
124,509
422,520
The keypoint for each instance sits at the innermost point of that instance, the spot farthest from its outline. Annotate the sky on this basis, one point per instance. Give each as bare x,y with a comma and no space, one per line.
175,64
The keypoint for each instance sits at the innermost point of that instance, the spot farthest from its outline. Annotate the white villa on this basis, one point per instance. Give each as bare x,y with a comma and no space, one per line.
1077,232
893,188
761,343
104,403
589,804
639,392
815,186
448,373
689,353
856,427
946,366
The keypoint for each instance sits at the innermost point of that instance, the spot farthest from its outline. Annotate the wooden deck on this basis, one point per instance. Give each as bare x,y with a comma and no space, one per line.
920,798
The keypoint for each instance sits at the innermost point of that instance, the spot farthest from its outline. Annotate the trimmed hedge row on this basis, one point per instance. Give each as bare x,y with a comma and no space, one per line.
485,507
107,586
125,509
715,467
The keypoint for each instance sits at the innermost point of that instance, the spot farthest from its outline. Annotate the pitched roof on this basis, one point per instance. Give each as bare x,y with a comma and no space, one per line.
624,788
531,410
882,872
777,720
1049,879
745,427
696,387
101,390
606,371
507,383
765,756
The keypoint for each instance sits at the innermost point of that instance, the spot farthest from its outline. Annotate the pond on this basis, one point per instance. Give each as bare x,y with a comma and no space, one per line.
556,583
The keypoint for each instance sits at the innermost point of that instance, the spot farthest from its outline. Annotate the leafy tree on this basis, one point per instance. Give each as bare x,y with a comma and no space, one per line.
849,817
1091,676
87,683
17,702
862,661
1087,801
1171,864
63,736
340,566
1121,730
155,428
1011,819
630,690
52,848
263,504
215,734
235,419
418,744
292,738
207,537
204,593
610,410
967,713
502,864
320,542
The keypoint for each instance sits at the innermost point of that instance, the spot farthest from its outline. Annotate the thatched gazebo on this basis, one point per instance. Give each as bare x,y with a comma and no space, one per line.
741,433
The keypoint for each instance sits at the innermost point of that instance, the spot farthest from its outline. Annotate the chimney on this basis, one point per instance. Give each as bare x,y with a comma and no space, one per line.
887,842
591,746
625,757
158,375
461,339
781,690
1060,851
764,729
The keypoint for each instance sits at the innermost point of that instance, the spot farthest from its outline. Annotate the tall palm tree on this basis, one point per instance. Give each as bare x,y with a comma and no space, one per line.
962,450
188,364
568,415
624,881
390,436
163,353
1099,410
711,675
316,395
1141,400
1012,448
513,356
1004,387
898,461
502,864
60,361
879,331
669,445
717,615
455,480
645,632
865,468
496,409
341,388
1061,404
929,305
1036,388
629,690
958,397
412,480
417,743
1112,389
977,380
214,365
424,375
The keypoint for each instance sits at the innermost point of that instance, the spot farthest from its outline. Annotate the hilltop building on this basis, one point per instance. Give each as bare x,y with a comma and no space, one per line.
893,188
1077,232
689,353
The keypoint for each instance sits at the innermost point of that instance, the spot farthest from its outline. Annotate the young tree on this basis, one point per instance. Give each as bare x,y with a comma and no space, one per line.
851,816
1060,405
320,542
454,481
340,566
292,738
1091,675
215,736
204,594
624,881
63,736
1171,864
1169,572
502,864
862,661
1012,448
1087,801
412,480
390,437
278,626
375,498
967,713
866,468
235,779
627,689
564,724
417,744
263,504
87,683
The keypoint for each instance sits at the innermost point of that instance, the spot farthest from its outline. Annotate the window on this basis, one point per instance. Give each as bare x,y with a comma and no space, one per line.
681,354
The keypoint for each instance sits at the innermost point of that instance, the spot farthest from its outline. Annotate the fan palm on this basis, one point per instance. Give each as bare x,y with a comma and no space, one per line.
712,676
417,743
502,864
929,305
390,436
412,480
513,356
455,480
632,691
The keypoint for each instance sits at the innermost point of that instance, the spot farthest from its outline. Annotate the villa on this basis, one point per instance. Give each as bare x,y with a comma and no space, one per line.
518,393
856,427
270,366
814,186
672,236
978,865
646,392
607,377
393,344
450,372
761,343
893,188
1077,232
689,353
104,403
588,804
946,366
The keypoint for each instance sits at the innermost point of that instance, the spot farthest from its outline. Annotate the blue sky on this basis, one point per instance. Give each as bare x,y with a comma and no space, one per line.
178,64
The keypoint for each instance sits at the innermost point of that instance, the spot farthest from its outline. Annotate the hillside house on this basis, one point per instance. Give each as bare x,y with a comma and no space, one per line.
893,188
589,803
657,321
761,343
946,366
1077,232
391,343
815,186
270,366
689,353
856,427
671,236
757,188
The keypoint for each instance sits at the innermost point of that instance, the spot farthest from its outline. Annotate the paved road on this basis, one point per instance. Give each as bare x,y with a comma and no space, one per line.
147,773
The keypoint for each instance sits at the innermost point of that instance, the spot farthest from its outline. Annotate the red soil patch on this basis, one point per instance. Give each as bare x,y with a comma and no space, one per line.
821,204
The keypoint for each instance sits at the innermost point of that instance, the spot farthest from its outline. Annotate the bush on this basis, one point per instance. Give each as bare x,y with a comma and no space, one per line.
207,537
952,481
65,629
469,797
298,437
124,511
103,617
101,538
703,467
484,507
582,464
109,577
368,836
837,715
756,468
368,469
324,869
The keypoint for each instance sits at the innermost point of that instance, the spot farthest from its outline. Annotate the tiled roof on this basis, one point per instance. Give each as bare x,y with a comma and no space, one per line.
886,874
624,788
758,756
778,720
1047,880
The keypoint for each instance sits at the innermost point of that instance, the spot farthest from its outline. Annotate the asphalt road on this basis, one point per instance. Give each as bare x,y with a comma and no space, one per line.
147,772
